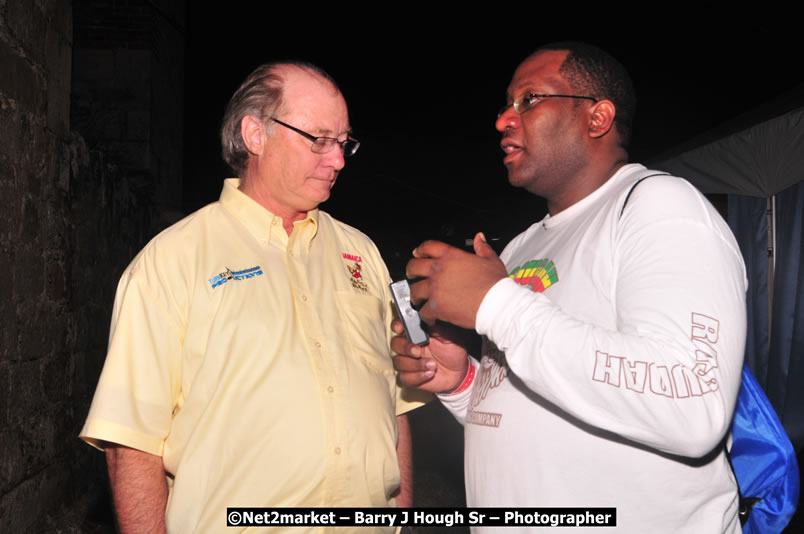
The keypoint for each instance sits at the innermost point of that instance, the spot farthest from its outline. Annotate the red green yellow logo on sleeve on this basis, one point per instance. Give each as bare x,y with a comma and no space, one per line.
538,274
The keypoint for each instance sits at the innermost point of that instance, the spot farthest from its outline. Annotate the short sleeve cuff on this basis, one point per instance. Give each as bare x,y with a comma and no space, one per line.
96,433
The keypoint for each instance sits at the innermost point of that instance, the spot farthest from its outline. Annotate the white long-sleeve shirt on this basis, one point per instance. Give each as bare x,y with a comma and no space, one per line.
611,362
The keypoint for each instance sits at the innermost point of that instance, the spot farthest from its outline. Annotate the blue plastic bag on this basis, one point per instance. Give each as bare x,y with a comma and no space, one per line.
764,460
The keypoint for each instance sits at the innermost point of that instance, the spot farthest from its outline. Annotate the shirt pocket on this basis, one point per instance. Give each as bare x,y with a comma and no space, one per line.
364,320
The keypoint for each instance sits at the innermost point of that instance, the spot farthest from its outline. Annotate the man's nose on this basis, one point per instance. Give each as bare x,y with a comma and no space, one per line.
508,118
334,158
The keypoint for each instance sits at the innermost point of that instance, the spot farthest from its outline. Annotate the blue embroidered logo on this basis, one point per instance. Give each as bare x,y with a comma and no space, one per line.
228,274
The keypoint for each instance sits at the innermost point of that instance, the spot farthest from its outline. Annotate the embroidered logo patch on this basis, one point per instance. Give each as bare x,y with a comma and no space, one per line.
228,274
356,278
538,274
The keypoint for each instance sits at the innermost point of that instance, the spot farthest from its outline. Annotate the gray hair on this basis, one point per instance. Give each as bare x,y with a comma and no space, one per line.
260,96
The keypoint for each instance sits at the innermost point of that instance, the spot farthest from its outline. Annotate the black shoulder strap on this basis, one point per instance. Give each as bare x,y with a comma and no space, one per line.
634,187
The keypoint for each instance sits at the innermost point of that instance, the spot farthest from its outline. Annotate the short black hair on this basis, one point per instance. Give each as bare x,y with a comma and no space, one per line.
594,72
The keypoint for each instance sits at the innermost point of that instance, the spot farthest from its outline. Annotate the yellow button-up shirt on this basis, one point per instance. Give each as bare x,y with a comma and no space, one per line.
255,363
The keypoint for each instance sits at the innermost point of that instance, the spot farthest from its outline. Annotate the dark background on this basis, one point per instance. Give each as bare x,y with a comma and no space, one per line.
423,94
109,116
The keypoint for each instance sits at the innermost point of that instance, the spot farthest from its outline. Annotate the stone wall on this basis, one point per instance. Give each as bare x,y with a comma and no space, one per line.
127,90
74,212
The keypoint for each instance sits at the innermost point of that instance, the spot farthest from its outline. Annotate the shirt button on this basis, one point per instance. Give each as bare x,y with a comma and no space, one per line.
304,298
337,450
317,345
330,389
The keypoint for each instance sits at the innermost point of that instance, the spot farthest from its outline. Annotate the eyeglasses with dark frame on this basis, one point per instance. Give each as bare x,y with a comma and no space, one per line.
322,145
528,101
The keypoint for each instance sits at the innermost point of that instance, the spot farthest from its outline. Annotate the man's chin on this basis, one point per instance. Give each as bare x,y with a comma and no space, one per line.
515,179
319,196
524,178
323,187
324,194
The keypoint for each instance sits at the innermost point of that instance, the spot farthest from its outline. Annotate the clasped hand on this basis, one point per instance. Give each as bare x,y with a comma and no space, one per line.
452,284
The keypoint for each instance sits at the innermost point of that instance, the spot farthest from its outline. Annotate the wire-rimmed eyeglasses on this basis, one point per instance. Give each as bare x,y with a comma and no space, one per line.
528,101
322,145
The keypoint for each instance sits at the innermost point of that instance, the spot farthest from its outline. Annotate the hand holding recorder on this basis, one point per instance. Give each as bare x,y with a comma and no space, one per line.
452,284
439,366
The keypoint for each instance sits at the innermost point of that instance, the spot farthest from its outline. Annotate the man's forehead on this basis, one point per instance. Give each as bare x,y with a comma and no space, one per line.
315,101
300,81
541,68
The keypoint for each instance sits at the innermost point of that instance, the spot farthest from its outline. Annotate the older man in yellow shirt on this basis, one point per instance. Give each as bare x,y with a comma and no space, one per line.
248,359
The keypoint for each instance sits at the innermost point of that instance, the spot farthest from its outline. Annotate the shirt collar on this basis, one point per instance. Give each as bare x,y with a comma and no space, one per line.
259,221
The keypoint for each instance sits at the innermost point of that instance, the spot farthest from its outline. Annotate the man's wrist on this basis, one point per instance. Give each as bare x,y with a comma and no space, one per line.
493,301
466,382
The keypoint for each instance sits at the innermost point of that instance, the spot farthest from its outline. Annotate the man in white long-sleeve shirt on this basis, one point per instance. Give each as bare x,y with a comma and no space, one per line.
614,328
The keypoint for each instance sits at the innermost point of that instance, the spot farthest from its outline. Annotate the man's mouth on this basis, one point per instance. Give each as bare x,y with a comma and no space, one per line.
511,149
325,179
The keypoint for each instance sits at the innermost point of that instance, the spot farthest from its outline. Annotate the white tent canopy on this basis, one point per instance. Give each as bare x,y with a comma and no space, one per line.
758,161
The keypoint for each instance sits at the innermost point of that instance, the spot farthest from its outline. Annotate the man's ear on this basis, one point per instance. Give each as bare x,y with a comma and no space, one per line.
253,132
601,118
